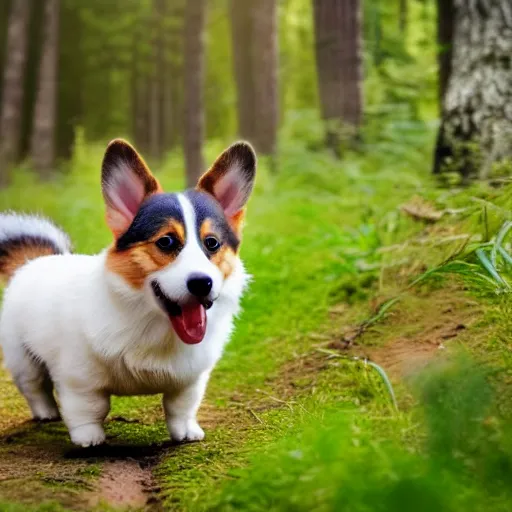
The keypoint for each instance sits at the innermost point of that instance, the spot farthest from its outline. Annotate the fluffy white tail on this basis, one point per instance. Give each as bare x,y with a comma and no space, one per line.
26,237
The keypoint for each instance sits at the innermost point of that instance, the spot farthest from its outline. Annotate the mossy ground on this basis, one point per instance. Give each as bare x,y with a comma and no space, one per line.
327,245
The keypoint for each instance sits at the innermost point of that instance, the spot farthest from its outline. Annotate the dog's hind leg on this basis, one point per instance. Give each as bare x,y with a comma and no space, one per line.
33,380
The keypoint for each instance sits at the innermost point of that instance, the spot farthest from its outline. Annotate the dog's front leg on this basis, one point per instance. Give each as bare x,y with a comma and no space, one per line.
83,413
181,407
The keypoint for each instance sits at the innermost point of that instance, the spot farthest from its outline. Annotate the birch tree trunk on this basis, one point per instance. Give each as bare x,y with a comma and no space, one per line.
12,89
42,144
476,128
195,21
339,65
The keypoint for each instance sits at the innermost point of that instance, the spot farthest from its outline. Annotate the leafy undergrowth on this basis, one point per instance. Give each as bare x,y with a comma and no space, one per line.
295,417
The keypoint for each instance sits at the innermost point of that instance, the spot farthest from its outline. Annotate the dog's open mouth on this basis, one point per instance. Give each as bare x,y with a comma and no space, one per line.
188,320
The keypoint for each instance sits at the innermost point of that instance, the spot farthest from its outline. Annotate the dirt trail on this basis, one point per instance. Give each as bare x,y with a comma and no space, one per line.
33,456
125,484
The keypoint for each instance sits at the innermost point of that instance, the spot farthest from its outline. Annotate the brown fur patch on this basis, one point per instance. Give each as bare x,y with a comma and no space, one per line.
136,263
225,257
237,222
18,256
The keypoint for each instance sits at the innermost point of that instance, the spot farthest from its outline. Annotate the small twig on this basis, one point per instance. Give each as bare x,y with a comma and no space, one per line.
255,416
275,399
364,326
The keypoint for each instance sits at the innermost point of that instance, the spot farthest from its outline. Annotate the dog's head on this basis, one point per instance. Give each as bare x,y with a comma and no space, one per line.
179,249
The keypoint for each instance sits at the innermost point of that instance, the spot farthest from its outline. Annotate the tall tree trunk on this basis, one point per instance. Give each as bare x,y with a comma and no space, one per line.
339,65
264,50
242,41
195,22
255,47
445,26
139,87
173,74
12,89
5,9
476,128
70,86
157,78
403,15
42,144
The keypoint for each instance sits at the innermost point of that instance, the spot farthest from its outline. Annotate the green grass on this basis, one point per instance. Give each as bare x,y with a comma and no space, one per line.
289,428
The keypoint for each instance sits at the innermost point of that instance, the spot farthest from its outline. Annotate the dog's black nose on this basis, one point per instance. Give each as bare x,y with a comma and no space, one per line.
199,285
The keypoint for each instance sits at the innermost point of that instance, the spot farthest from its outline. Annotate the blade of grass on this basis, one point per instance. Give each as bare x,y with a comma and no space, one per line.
499,240
487,264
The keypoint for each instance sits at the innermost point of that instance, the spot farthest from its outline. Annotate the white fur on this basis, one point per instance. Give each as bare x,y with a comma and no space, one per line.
14,224
97,336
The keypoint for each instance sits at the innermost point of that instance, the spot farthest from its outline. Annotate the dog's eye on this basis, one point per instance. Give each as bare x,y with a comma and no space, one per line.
211,243
167,243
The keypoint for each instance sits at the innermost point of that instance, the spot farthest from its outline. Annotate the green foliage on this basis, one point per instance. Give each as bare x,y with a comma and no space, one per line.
344,462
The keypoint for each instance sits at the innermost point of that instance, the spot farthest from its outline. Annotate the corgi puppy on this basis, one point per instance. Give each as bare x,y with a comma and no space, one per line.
150,314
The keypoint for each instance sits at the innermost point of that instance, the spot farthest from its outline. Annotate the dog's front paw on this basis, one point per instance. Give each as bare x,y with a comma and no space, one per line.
88,435
185,430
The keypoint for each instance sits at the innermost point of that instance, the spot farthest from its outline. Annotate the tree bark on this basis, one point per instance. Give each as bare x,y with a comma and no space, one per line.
194,44
173,79
12,90
264,50
42,144
445,26
339,65
476,128
255,49
156,91
403,15
242,41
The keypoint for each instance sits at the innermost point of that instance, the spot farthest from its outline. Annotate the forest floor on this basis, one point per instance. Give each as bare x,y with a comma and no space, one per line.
334,249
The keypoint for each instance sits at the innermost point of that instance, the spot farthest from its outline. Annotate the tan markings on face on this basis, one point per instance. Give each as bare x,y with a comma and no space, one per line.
206,229
21,255
237,222
135,264
225,257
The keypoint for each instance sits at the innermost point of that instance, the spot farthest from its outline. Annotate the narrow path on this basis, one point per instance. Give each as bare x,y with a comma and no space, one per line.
126,484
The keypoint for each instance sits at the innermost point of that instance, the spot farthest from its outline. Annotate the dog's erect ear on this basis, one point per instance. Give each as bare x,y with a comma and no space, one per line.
230,179
126,182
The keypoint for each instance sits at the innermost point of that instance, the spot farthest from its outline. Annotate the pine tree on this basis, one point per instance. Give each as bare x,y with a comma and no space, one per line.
13,86
42,145
255,48
339,64
194,47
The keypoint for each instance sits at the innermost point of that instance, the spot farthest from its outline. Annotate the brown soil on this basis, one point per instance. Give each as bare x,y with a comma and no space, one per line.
415,331
35,464
123,484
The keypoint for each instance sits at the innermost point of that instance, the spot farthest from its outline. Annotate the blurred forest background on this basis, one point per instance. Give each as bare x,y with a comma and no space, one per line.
378,235
171,74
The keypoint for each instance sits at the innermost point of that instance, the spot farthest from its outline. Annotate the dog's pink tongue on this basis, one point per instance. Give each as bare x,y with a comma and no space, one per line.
190,326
